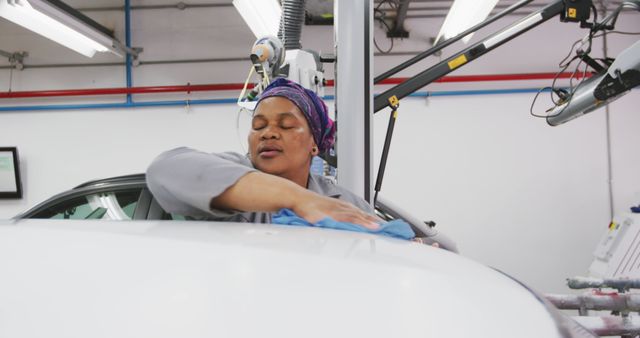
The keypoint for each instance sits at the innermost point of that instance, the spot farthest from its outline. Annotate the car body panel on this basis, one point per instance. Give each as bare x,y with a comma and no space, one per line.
74,278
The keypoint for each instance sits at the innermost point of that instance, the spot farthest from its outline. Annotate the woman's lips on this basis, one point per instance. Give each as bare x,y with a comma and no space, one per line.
269,151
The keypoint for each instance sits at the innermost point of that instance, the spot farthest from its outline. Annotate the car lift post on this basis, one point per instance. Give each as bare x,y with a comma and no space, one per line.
354,95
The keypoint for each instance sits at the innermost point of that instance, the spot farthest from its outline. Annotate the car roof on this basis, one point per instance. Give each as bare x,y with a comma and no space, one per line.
135,178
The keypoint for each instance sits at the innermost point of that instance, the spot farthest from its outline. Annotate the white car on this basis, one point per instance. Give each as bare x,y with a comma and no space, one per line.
158,278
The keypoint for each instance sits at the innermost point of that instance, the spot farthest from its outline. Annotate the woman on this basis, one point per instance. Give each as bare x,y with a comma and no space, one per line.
290,125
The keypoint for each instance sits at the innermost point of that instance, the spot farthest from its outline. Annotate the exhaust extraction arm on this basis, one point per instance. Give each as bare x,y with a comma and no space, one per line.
291,23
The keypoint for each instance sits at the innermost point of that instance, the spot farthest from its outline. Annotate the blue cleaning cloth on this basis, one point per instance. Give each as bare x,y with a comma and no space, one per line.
396,228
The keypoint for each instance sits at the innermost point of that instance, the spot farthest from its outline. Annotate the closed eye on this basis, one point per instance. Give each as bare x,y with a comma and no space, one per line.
258,123
288,122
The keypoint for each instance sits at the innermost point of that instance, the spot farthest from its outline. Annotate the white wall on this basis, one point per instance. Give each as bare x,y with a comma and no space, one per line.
516,194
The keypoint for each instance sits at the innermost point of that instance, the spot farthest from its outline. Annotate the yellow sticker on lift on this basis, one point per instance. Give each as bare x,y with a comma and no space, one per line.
394,100
613,226
457,62
572,13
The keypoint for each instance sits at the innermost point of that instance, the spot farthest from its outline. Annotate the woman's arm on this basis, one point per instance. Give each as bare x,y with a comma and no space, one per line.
198,184
257,191
184,180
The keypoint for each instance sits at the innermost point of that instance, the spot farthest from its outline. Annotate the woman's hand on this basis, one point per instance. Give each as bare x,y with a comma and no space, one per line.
314,207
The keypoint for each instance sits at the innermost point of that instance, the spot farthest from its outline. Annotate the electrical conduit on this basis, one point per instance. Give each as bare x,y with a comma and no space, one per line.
127,22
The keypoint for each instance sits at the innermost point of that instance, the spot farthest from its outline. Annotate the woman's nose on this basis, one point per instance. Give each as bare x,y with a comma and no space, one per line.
269,133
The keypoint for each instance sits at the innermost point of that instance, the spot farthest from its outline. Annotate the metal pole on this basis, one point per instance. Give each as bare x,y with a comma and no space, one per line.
605,50
599,302
621,284
354,97
127,20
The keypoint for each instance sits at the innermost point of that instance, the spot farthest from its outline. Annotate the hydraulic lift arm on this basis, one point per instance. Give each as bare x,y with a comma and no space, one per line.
569,10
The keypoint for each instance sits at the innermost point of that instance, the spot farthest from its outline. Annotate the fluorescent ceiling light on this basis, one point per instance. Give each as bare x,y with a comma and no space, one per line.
55,21
463,15
262,16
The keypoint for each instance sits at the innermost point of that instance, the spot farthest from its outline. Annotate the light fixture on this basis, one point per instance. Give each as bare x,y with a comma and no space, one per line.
262,16
58,22
463,15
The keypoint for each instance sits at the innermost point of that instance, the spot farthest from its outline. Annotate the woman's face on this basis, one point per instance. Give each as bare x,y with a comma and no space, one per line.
280,141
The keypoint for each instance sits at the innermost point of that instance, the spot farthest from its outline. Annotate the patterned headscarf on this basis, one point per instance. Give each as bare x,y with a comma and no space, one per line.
314,110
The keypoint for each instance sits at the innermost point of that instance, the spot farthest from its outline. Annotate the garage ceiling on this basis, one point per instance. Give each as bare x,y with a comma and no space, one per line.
216,22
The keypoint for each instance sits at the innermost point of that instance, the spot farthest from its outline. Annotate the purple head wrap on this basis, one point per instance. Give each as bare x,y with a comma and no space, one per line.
314,110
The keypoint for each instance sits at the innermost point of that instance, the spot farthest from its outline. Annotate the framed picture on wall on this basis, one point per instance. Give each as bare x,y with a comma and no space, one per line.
10,184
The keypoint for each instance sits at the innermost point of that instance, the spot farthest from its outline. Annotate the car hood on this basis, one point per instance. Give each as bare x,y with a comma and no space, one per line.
202,279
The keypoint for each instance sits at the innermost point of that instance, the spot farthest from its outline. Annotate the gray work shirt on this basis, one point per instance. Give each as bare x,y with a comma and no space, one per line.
184,181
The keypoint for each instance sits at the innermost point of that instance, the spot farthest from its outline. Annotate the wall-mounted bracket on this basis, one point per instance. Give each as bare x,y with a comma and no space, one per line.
15,59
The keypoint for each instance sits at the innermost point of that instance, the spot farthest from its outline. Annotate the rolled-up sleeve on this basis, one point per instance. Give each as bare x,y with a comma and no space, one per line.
184,180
